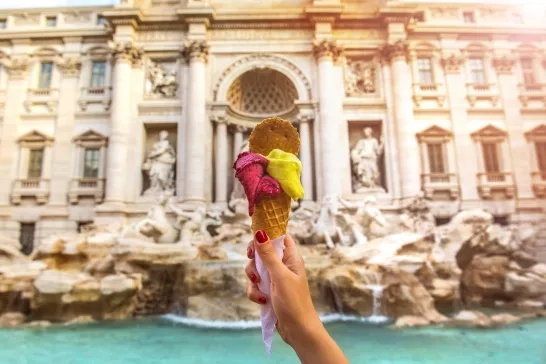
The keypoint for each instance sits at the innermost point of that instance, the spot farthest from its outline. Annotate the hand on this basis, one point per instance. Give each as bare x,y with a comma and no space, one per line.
297,319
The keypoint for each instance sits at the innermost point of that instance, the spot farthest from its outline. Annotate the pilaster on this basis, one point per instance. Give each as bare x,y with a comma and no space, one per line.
17,68
63,148
519,151
465,150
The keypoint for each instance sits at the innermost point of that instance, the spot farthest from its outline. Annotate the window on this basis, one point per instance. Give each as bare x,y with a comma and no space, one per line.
98,72
491,157
436,159
468,17
35,163
477,71
83,225
46,69
540,149
3,23
424,66
528,71
51,21
26,238
91,163
101,20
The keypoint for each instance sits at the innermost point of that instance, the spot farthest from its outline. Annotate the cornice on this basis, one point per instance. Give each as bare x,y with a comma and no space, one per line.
116,17
478,29
60,33
323,13
196,15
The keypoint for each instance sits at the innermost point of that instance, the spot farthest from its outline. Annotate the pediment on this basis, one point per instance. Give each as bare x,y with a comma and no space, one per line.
536,133
489,130
434,132
35,137
90,135
91,138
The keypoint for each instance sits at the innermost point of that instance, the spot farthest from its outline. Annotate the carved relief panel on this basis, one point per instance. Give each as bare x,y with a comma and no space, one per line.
360,77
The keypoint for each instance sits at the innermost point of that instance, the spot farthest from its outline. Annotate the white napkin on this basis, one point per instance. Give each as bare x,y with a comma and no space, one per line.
267,314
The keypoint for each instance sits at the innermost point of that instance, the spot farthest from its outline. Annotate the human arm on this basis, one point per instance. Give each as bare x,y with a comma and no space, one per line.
297,320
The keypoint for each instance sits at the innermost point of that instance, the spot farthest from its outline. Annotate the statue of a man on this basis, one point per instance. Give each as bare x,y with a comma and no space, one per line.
159,165
364,160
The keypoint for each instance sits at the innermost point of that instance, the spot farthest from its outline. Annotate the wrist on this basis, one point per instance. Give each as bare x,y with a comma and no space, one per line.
310,335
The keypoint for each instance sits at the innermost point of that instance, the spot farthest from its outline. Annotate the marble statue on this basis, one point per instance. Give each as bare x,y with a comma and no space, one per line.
159,165
368,222
302,220
364,160
194,224
326,229
163,83
360,78
155,226
418,216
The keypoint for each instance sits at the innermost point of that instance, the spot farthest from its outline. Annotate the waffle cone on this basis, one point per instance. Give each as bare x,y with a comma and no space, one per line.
271,213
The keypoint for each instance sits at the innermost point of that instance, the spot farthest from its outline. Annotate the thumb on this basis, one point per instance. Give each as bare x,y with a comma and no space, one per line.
267,253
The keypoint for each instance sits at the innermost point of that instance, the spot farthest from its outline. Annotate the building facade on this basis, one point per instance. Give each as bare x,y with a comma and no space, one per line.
102,108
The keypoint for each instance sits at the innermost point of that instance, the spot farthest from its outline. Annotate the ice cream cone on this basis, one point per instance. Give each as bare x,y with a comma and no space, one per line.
271,213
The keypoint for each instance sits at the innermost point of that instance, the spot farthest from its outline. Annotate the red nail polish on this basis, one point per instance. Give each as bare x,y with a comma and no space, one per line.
262,300
249,253
253,277
261,236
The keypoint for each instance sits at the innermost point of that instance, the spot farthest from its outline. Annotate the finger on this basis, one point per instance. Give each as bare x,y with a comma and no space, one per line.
251,272
267,253
250,249
292,257
254,294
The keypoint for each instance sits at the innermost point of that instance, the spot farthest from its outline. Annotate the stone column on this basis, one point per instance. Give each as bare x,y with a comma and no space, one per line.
305,157
519,152
466,166
325,52
238,140
136,137
196,54
116,168
221,158
396,54
64,147
17,69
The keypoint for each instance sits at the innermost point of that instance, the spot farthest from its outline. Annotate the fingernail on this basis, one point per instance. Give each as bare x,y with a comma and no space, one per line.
253,277
262,300
261,236
249,253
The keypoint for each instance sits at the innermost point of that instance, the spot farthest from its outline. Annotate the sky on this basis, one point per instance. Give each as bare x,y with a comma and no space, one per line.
530,7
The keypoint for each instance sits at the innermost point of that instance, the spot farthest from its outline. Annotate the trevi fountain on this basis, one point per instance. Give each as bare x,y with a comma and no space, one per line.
123,232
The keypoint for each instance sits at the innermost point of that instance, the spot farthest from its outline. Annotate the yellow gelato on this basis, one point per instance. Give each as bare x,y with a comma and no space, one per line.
285,168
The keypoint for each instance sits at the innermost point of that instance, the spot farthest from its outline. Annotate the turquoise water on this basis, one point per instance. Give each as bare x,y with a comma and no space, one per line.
164,342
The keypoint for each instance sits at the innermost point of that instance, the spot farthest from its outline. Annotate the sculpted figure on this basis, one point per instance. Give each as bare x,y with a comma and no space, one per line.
194,224
159,165
360,79
418,216
368,221
364,160
163,83
155,226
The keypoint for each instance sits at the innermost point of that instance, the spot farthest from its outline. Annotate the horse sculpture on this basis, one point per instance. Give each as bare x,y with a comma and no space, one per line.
155,225
325,229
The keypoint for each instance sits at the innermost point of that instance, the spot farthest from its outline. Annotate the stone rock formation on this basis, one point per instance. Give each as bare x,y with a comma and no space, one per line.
412,275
